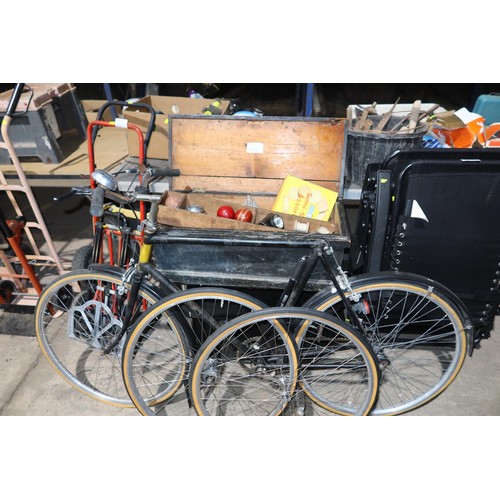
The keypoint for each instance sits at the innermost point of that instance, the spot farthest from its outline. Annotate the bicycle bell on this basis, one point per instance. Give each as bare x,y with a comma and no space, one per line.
105,179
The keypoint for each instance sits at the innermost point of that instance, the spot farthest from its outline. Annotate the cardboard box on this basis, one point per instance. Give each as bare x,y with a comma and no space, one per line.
164,107
464,129
305,199
182,218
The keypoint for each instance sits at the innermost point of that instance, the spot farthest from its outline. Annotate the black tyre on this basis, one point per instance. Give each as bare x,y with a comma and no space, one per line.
76,318
416,329
82,258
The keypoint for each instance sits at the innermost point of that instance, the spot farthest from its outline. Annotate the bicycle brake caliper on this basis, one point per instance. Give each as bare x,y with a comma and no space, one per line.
127,276
345,286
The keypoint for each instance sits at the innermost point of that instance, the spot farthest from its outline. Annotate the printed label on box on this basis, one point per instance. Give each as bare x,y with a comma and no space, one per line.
255,147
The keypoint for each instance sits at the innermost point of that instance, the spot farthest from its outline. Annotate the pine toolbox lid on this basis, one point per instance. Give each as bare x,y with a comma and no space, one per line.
43,94
253,155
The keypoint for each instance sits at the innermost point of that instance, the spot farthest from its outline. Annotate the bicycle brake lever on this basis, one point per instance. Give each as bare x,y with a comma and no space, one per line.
80,191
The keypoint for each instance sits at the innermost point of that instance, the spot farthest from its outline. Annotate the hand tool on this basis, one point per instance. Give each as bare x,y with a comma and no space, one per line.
386,117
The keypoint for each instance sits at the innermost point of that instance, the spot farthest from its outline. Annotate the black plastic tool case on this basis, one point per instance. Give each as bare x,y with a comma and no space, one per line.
437,213
246,259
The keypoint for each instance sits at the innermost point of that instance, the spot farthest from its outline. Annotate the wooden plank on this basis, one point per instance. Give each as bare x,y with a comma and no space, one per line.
257,148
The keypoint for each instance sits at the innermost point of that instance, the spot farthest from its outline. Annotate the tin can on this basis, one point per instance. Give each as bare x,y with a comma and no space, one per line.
272,220
196,209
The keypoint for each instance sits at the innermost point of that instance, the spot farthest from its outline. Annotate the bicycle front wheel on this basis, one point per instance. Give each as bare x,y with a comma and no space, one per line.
250,366
76,317
155,381
338,368
416,331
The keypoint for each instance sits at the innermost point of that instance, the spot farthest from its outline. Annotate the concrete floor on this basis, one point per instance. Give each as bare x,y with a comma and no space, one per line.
30,387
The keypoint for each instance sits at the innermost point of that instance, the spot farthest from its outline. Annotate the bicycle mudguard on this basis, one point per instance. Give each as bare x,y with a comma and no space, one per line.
107,268
409,278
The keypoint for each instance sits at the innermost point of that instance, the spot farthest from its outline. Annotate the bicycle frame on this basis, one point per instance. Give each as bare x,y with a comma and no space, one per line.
319,250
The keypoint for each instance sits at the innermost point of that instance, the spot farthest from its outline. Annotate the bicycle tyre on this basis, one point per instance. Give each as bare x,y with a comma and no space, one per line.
243,358
416,329
152,382
339,370
82,258
65,326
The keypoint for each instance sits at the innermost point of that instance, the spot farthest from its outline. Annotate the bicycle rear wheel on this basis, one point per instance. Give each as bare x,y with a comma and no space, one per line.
416,330
151,375
76,317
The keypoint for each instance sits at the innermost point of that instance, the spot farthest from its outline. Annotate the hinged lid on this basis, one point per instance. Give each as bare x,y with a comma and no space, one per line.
252,155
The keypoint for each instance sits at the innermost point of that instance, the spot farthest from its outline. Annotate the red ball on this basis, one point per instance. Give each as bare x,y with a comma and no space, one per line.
225,211
244,215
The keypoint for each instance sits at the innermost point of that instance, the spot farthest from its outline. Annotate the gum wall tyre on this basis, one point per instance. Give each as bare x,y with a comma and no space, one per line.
155,382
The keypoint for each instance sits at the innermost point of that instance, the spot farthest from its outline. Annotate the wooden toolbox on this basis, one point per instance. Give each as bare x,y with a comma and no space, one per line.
237,159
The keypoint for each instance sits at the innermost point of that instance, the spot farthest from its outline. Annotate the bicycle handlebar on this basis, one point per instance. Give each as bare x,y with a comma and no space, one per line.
97,198
164,171
97,202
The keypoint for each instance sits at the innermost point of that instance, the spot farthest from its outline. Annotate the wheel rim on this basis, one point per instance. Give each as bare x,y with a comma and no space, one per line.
149,371
246,368
76,316
418,337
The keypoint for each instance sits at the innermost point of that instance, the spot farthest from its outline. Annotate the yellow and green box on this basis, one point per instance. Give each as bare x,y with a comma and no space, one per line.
305,199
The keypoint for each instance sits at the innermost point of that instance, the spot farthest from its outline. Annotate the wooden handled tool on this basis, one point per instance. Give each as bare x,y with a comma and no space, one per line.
363,123
386,117
427,112
414,114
